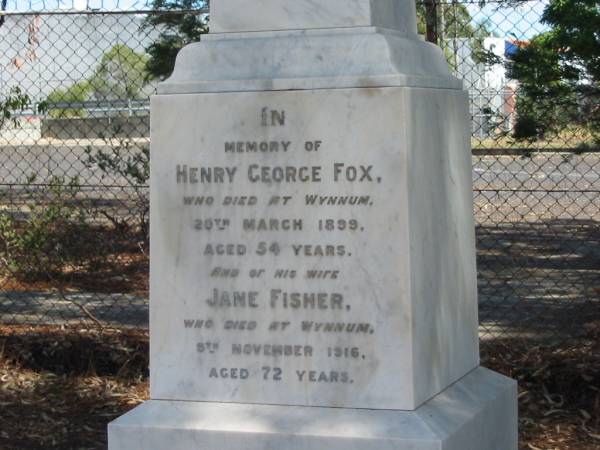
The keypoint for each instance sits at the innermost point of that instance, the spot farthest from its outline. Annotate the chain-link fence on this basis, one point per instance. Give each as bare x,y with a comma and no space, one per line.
76,79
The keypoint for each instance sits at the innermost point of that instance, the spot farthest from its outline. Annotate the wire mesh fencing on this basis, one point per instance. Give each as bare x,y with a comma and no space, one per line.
74,168
74,149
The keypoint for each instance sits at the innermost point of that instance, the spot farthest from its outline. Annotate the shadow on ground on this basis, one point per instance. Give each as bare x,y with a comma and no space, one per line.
60,387
538,279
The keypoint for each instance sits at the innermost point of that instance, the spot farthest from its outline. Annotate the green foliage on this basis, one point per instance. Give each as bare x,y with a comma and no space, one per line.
559,73
454,22
16,100
77,93
119,75
36,246
124,160
177,30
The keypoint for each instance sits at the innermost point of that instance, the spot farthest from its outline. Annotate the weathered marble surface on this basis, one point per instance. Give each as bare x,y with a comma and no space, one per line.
257,15
477,413
372,113
407,271
309,59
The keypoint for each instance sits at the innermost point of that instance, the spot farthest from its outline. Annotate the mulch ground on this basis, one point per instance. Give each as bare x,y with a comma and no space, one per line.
59,387
559,390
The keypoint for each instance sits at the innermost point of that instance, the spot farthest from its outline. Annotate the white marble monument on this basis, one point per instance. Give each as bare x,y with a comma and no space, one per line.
313,279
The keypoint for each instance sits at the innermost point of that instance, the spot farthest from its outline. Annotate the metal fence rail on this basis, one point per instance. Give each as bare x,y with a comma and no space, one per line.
73,171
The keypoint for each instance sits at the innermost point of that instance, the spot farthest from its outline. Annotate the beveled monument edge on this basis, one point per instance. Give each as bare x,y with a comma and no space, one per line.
483,402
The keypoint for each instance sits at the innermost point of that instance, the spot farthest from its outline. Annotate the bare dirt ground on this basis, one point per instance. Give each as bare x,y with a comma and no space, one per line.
60,387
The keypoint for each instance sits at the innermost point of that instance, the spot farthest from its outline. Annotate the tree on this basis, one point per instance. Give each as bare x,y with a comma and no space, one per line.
180,22
559,73
75,94
445,23
120,75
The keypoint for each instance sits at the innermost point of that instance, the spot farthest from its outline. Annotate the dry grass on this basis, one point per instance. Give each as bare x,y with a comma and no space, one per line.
569,139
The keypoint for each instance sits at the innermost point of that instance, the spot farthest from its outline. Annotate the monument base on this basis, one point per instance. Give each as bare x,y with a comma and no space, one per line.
479,412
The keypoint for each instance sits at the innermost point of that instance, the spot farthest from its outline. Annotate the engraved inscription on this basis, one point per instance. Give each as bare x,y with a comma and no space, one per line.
275,215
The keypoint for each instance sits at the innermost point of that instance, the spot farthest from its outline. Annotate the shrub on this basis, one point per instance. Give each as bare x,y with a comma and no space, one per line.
78,93
132,164
36,246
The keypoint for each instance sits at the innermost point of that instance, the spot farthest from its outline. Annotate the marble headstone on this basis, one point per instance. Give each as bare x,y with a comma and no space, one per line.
313,278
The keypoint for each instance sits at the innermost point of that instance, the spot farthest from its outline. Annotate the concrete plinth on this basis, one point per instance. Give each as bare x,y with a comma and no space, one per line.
479,412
